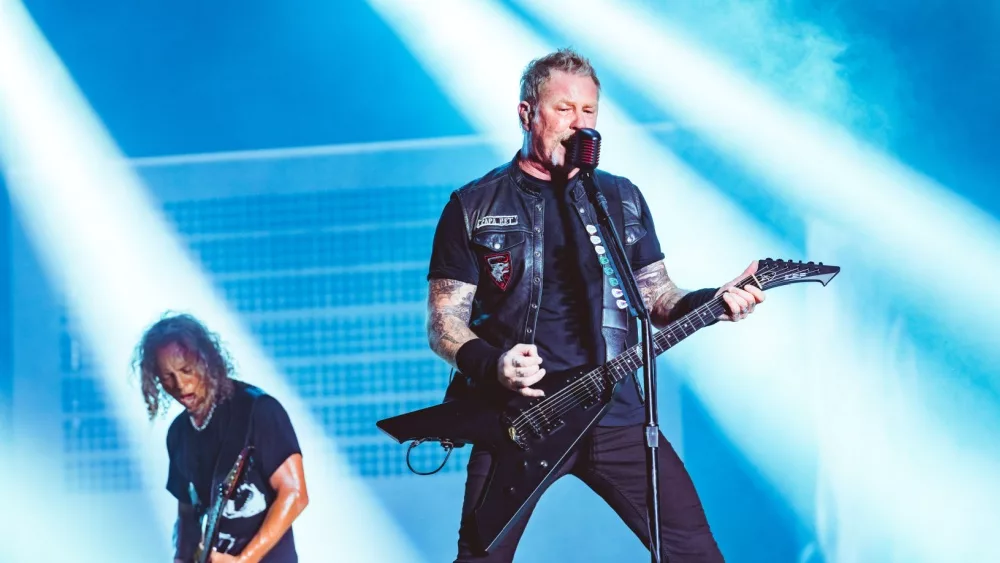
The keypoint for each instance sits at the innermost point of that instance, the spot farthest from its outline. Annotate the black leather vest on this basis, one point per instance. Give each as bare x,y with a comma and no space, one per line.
504,220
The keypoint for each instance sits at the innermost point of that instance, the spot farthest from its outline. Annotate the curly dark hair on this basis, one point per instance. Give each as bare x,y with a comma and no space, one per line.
193,338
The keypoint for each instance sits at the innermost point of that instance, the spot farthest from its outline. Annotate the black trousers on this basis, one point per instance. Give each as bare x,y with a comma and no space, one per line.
612,462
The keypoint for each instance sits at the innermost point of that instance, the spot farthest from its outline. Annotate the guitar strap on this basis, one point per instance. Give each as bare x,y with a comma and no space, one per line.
617,327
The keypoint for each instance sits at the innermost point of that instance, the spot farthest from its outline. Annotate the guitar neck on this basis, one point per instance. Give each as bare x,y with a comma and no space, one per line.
770,274
225,492
213,517
630,360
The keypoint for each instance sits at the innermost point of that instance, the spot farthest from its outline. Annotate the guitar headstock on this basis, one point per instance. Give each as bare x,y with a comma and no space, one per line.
776,273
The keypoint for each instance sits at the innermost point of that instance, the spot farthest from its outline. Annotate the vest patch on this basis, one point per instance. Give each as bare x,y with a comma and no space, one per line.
496,221
499,267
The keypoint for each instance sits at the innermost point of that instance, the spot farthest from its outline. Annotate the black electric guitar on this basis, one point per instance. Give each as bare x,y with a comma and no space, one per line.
223,495
530,437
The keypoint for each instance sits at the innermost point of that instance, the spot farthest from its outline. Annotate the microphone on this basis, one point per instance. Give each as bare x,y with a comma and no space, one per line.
583,153
584,149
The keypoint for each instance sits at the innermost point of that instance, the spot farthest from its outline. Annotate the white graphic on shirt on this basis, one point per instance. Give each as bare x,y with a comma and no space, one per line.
253,503
225,543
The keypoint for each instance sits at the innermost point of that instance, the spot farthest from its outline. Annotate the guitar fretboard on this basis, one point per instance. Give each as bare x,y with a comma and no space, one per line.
631,360
593,384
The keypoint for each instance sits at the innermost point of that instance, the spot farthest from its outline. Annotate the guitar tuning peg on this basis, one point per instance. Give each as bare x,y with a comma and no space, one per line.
810,263
820,264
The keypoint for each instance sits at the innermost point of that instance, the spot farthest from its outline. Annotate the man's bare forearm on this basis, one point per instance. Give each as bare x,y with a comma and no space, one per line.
449,308
285,508
290,500
659,293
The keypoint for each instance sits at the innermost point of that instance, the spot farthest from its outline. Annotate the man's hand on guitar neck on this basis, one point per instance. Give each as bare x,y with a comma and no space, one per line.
741,302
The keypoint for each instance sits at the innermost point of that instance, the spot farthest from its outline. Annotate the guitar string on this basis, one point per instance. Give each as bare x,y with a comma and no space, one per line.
571,396
579,391
591,381
571,392
574,394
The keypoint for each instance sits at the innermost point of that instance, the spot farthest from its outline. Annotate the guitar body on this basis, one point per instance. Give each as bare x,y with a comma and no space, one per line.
529,438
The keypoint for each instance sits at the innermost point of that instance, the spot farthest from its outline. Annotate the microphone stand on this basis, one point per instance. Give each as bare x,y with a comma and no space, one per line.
637,309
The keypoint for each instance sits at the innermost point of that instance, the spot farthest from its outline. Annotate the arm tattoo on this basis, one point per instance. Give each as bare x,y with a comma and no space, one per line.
449,308
659,293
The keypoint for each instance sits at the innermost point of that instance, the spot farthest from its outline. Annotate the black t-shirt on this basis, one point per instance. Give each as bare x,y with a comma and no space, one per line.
571,285
564,327
193,456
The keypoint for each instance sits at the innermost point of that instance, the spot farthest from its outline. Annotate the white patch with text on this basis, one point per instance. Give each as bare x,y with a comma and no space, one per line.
496,221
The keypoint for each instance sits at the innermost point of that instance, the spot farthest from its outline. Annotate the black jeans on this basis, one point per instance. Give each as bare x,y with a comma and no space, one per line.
612,462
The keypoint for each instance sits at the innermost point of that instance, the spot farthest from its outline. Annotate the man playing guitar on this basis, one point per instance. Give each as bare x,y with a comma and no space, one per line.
179,358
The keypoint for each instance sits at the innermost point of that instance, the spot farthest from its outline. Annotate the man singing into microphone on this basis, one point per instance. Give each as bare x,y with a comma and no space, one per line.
517,289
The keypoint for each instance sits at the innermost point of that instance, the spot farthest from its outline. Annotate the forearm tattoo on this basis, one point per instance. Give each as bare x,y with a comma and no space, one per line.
659,293
449,308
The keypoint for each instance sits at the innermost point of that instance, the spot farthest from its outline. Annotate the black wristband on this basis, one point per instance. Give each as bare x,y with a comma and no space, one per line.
691,301
477,360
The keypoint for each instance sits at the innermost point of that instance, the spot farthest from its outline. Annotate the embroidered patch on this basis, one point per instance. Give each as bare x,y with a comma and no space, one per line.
496,221
499,265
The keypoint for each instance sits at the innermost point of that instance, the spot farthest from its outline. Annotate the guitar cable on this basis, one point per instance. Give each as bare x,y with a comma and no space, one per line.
446,444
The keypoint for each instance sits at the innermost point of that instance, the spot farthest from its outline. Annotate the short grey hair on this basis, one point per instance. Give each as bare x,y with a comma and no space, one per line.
537,73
